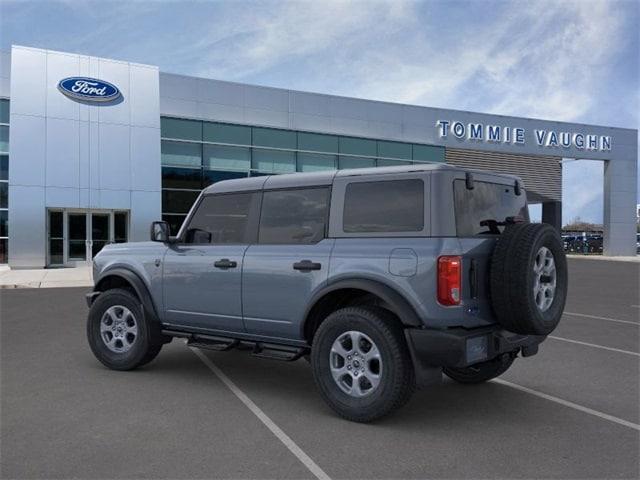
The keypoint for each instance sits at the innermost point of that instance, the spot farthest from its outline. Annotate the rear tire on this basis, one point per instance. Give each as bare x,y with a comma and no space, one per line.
361,363
482,372
119,333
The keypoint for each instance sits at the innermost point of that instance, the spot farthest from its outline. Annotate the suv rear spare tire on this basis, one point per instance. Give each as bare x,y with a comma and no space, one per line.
528,279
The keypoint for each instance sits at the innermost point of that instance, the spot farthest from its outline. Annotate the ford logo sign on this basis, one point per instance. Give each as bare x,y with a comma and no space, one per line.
89,89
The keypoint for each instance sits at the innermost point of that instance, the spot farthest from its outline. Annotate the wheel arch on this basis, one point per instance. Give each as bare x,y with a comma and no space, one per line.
122,277
333,295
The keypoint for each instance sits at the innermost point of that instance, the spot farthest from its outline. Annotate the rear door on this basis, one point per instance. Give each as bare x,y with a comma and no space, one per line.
289,262
202,274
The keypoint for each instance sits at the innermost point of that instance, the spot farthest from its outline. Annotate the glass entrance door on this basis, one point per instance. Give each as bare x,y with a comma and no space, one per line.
75,237
100,232
56,237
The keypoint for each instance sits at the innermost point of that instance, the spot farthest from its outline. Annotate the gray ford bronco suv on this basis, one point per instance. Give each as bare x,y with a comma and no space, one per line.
381,278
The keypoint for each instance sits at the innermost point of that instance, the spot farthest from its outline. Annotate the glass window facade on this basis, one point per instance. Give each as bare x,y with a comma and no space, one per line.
273,161
227,158
313,162
318,143
274,138
181,129
4,181
196,154
180,153
4,167
224,133
4,111
4,138
394,150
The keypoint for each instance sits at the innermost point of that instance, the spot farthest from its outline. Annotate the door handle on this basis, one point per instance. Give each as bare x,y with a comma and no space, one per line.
306,265
225,263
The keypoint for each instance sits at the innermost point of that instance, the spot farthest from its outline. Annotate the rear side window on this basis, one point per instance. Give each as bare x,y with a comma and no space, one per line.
297,216
487,201
221,219
384,206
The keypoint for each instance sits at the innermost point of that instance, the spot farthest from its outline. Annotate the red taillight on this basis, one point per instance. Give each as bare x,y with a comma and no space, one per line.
449,280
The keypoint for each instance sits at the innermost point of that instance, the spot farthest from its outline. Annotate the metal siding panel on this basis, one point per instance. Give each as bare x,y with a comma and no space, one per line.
27,244
28,81
542,175
62,167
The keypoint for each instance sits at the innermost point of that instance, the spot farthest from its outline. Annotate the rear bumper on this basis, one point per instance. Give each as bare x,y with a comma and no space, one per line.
459,347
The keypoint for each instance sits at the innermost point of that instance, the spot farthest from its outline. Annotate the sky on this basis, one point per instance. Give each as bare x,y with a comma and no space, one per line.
558,60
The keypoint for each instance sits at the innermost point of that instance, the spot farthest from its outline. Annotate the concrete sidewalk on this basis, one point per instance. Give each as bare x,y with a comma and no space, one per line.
46,278
635,258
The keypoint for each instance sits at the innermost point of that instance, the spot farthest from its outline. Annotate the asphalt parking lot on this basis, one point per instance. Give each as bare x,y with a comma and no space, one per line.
572,411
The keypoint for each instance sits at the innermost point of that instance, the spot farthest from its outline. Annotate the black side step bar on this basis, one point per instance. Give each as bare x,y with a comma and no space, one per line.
278,352
209,342
273,351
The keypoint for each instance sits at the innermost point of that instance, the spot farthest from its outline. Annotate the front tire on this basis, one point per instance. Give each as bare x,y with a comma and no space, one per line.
361,363
119,333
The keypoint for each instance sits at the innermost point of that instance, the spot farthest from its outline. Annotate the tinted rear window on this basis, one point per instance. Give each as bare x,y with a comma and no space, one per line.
487,201
384,206
297,216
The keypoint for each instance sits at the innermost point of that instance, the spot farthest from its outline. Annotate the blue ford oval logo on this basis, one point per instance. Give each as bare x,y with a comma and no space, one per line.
89,89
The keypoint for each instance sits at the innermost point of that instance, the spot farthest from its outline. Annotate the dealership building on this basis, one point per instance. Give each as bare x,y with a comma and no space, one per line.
93,150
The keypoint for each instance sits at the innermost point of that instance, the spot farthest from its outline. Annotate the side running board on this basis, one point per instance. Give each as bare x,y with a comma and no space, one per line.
273,351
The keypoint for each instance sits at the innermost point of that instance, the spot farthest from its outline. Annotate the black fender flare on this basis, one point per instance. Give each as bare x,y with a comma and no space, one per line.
136,282
397,303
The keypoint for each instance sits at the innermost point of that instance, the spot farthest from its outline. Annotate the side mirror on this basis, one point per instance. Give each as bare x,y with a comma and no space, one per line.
160,232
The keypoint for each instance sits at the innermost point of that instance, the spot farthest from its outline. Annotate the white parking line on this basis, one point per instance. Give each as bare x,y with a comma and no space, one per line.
569,404
602,318
277,431
594,345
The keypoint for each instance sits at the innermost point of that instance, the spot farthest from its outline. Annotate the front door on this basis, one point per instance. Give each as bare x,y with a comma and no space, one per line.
203,269
289,263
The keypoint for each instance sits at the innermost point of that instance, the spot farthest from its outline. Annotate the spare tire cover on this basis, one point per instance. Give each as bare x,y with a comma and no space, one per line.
528,278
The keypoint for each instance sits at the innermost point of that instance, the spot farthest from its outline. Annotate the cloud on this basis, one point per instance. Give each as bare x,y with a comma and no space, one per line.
570,60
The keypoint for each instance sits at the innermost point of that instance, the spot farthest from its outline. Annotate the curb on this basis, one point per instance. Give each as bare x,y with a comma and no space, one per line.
68,284
601,258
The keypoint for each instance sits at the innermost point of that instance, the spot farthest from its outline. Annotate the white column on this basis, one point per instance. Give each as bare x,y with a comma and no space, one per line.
620,199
